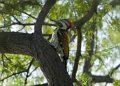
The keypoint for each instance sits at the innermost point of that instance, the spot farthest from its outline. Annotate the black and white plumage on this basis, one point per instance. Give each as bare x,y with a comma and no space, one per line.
60,39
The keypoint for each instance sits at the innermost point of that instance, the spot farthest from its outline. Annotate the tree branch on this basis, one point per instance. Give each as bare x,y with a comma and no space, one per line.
41,17
16,43
114,3
107,78
13,75
45,84
28,14
78,82
79,24
114,69
78,54
98,79
26,24
28,69
90,49
88,16
50,63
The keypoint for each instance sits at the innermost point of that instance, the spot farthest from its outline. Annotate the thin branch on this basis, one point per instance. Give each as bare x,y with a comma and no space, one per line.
114,69
17,23
89,15
16,19
41,17
45,84
99,79
109,48
32,71
13,74
78,82
26,2
114,3
25,24
4,58
78,54
79,24
28,15
21,11
21,29
3,62
90,50
28,70
73,8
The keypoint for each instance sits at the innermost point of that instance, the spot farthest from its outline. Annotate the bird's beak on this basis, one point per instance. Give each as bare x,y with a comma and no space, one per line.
57,23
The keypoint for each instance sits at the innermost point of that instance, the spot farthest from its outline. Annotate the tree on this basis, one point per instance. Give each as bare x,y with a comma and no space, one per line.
22,15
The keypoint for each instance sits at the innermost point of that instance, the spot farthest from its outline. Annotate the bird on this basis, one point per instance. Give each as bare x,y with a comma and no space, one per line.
60,39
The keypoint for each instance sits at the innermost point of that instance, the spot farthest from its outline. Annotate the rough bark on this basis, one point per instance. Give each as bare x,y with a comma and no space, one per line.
42,15
33,45
16,43
50,63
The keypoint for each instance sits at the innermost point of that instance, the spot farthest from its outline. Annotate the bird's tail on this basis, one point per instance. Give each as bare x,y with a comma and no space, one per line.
65,58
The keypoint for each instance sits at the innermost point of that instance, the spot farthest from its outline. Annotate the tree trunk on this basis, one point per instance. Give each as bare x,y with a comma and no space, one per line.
40,49
50,63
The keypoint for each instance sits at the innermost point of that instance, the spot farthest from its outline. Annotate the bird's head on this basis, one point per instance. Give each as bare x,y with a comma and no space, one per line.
64,24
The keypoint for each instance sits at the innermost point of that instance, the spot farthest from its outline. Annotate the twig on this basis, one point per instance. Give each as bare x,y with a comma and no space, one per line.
28,15
79,23
17,20
17,23
13,75
26,24
73,8
28,71
33,71
90,51
78,54
114,69
78,82
114,3
88,16
21,29
2,56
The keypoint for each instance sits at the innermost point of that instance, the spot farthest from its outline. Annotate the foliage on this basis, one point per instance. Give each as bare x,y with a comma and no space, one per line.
85,79
116,83
21,16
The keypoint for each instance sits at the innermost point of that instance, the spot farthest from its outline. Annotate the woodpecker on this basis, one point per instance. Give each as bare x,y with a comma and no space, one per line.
60,39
